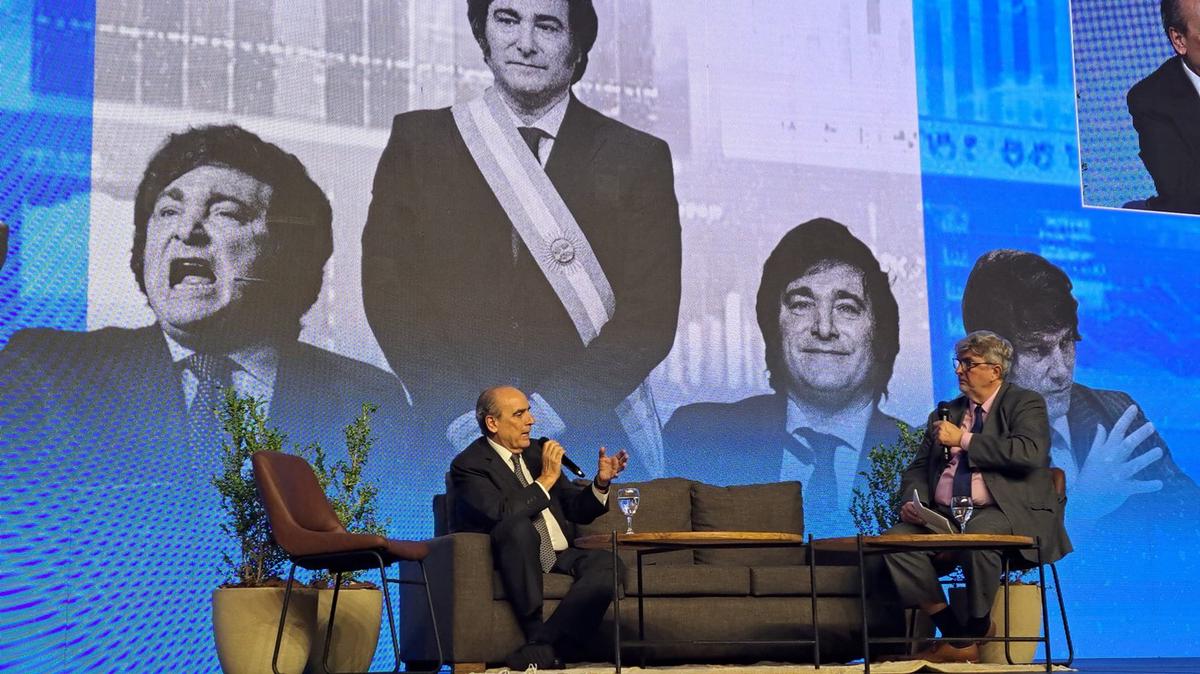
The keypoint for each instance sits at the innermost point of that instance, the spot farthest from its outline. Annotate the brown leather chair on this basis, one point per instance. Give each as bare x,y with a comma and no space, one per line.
304,524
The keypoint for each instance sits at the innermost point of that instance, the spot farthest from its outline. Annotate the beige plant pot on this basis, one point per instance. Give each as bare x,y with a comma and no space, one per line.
245,622
1026,604
1026,621
355,630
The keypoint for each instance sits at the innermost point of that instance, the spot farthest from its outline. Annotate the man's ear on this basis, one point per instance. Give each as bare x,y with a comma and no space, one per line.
1178,41
490,422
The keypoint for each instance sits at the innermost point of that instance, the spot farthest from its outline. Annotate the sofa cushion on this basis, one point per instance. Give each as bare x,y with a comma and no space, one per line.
671,580
791,580
663,505
689,580
757,507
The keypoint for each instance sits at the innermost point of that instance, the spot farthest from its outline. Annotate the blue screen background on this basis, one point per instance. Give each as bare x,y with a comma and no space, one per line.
997,85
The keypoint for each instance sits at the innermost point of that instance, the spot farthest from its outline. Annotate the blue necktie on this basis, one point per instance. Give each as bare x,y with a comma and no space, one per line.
962,476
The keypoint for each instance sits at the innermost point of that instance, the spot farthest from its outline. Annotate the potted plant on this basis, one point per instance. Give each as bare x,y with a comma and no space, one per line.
245,610
1025,602
878,508
359,611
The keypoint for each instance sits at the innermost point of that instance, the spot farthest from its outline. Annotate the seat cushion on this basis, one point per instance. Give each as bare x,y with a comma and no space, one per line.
673,580
689,580
776,506
663,505
792,580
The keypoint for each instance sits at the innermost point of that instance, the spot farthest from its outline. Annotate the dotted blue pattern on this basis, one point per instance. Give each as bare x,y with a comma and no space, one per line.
108,569
1116,44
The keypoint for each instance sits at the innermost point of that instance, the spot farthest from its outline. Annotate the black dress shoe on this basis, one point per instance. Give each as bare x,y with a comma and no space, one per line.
536,654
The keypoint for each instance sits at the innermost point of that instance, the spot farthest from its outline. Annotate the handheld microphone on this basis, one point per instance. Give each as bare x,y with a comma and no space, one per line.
566,461
943,412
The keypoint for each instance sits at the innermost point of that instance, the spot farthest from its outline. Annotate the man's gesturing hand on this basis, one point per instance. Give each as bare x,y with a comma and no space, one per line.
1106,479
609,467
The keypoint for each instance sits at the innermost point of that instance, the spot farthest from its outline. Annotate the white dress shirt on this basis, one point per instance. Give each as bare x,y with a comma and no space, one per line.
849,426
557,538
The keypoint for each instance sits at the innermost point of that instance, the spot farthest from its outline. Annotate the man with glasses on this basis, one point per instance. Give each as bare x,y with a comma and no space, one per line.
993,447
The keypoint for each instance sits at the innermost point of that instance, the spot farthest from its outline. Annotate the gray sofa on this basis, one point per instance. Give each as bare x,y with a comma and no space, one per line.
760,594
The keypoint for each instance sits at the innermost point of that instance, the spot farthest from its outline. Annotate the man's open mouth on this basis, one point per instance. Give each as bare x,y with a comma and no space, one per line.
191,271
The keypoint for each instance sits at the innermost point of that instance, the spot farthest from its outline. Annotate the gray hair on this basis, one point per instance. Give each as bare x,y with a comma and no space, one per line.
989,346
486,406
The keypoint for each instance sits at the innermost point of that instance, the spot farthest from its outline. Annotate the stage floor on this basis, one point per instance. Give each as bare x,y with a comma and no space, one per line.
1083,665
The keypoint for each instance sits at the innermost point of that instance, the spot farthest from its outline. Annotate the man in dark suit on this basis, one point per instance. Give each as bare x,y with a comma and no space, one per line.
1165,107
995,450
231,237
439,247
832,332
115,428
511,487
1120,472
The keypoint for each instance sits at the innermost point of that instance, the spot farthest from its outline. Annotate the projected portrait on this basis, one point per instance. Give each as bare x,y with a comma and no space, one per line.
1165,109
1118,467
523,237
230,241
831,327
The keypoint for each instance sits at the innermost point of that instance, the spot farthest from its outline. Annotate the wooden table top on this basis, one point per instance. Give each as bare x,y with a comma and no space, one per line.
923,542
690,539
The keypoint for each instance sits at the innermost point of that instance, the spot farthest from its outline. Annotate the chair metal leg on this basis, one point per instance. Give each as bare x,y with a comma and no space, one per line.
287,595
337,584
437,637
432,617
387,601
1062,609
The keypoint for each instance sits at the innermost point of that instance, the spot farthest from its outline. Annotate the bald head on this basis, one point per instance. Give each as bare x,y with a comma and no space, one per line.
504,416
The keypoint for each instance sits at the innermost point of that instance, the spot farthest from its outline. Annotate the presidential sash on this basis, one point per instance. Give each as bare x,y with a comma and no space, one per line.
550,232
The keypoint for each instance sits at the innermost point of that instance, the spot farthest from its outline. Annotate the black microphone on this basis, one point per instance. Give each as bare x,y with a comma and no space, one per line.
566,461
943,412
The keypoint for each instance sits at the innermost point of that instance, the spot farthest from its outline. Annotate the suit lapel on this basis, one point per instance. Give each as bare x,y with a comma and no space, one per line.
159,385
576,145
1186,102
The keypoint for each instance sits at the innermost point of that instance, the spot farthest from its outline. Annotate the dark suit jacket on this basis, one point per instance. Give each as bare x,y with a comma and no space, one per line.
743,442
485,494
93,437
107,406
1012,453
1166,114
454,315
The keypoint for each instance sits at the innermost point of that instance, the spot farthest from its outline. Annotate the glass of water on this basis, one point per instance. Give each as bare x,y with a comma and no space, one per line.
962,507
627,499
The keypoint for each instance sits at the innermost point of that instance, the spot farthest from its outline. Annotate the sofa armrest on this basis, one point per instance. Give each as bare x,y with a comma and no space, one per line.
459,567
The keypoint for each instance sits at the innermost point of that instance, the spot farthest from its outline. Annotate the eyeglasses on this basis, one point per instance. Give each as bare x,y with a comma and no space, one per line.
966,365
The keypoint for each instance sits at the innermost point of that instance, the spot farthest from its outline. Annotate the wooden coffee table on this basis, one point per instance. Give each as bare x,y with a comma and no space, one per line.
651,543
893,543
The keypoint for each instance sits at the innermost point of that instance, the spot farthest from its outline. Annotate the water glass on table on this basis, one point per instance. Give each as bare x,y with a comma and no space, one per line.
962,507
627,499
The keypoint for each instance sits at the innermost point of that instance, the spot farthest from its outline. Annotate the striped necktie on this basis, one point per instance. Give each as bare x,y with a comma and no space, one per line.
545,549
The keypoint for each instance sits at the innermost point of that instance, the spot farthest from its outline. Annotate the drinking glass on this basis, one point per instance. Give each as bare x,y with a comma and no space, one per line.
627,499
962,507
